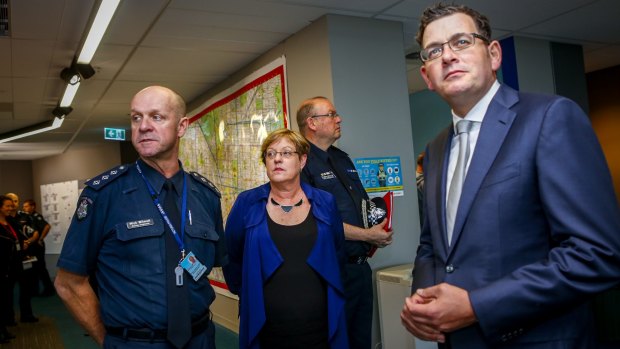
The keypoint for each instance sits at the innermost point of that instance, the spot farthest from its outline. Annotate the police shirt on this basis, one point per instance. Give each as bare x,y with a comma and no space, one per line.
26,223
319,173
38,222
117,232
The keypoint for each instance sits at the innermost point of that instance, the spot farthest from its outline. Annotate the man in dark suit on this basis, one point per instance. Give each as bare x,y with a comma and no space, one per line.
521,225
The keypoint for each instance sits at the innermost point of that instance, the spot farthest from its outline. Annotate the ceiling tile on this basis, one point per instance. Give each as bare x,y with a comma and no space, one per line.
603,28
131,20
33,57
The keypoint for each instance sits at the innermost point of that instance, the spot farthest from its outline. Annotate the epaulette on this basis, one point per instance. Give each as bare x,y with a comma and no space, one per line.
103,179
207,183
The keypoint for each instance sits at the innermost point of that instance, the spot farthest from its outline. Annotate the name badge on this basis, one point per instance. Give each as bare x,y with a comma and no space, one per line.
193,266
141,223
327,175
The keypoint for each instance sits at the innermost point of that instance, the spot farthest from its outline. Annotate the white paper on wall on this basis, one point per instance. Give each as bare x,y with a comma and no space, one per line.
58,202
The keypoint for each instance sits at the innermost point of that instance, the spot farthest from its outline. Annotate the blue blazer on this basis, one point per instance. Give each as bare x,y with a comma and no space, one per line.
537,230
254,258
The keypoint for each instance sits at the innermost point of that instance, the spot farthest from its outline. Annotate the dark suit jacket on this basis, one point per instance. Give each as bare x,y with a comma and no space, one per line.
537,229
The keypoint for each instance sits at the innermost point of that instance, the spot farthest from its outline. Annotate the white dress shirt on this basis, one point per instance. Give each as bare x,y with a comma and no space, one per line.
475,114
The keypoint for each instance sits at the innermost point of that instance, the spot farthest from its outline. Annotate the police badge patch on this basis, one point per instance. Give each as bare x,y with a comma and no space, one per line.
83,207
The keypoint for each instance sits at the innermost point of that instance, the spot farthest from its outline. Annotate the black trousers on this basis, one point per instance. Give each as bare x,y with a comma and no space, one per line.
358,293
41,272
7,315
27,286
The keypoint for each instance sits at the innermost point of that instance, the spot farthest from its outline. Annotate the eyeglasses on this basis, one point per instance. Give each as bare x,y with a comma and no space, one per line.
271,154
457,42
331,114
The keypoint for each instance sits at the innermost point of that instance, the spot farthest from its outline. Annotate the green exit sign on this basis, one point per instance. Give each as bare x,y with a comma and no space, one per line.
117,134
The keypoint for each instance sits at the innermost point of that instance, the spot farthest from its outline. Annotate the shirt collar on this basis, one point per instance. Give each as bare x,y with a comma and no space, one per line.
477,112
157,180
320,153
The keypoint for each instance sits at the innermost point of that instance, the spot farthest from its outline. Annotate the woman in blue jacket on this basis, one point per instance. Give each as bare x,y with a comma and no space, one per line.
285,244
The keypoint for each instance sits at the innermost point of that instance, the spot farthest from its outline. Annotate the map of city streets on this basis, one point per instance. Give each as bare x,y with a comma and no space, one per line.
224,138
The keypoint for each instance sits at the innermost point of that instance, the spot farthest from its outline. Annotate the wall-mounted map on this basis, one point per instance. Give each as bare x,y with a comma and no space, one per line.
225,133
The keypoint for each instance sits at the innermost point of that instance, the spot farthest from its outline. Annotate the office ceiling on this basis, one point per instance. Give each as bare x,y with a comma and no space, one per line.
191,45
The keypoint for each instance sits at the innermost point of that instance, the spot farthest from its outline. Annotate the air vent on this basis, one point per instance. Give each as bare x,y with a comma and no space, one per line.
4,17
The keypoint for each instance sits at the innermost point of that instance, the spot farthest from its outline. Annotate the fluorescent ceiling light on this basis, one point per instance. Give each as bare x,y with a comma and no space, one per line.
95,34
70,92
32,130
97,29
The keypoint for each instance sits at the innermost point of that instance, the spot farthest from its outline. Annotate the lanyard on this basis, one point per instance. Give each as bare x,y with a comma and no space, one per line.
10,230
155,197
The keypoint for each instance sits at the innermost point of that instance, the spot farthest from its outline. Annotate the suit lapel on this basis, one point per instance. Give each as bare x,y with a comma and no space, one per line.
495,126
439,151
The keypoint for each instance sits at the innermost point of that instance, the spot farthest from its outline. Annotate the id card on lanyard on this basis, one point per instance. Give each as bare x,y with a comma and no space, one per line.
190,262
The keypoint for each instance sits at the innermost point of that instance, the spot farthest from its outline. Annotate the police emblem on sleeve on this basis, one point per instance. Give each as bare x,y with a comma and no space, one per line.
83,208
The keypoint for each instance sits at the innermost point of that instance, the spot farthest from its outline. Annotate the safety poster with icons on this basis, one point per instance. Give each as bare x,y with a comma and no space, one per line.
380,175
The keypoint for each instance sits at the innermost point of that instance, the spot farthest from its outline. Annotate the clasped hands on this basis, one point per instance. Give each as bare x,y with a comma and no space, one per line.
432,312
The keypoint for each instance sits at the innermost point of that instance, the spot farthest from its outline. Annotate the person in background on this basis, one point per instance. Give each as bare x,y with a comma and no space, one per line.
514,242
419,181
136,227
286,247
10,265
27,279
331,169
15,199
40,225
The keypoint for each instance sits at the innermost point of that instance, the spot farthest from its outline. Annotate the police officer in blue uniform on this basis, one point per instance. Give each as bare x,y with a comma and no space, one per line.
39,224
331,169
148,231
28,276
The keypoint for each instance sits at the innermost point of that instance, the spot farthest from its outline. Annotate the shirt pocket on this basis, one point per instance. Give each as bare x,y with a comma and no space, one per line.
141,250
202,239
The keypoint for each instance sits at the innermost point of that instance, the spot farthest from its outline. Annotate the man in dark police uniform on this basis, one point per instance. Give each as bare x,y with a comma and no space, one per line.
39,224
136,228
331,169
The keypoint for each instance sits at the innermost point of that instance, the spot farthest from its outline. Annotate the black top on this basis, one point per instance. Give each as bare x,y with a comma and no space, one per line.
295,296
10,249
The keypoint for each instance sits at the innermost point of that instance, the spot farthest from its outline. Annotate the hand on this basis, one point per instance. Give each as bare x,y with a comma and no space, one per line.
377,236
419,330
442,308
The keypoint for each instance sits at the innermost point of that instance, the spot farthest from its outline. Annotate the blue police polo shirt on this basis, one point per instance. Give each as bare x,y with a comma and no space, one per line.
320,174
117,233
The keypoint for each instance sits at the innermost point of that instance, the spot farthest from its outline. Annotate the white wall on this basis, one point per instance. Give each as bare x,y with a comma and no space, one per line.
535,70
370,92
